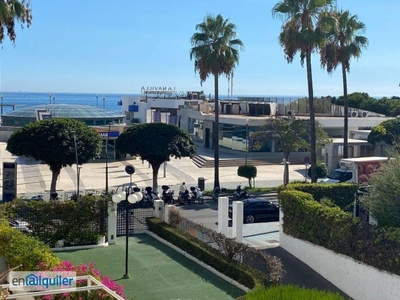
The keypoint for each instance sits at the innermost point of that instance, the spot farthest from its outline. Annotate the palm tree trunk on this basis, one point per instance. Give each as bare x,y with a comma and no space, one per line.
216,132
54,176
313,142
346,115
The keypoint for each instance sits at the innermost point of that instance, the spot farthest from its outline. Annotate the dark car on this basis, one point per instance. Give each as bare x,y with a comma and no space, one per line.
256,210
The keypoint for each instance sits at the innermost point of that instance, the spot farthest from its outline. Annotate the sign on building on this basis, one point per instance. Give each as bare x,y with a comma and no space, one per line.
9,181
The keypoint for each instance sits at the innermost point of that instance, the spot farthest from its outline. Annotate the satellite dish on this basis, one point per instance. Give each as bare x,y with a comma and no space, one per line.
130,169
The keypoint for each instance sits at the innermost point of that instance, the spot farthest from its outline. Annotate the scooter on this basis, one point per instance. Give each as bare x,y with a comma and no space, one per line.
239,194
185,198
219,192
149,195
196,195
37,198
167,195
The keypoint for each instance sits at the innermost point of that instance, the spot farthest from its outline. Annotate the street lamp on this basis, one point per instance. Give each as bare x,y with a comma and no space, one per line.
97,100
1,96
131,194
108,134
77,166
247,137
104,101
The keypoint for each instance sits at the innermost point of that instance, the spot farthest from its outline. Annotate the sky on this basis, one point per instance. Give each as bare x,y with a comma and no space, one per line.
102,46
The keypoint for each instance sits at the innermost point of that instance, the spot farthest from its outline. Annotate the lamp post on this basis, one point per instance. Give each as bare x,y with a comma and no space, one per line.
247,137
131,194
77,166
1,96
104,101
108,134
97,100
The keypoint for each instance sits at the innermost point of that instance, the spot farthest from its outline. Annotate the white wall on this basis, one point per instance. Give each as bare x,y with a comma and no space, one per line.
356,279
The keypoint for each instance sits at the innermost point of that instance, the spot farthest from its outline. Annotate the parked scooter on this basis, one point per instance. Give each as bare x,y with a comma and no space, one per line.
184,198
239,193
167,195
149,195
196,195
219,192
37,198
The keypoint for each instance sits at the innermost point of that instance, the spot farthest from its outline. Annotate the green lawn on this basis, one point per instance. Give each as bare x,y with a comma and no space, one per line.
157,272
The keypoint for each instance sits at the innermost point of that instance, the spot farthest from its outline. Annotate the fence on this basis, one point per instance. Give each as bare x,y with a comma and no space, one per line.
136,217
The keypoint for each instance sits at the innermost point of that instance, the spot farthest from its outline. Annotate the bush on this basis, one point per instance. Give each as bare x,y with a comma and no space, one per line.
77,223
21,249
322,171
341,194
290,292
81,270
330,227
247,276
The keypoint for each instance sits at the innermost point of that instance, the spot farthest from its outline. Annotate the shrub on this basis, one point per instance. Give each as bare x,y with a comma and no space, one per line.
341,194
77,223
246,275
330,227
20,249
82,270
175,217
290,292
322,171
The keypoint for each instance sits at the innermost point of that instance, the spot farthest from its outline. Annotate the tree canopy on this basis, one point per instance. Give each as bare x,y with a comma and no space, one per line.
290,133
387,132
215,51
382,199
11,11
156,143
52,141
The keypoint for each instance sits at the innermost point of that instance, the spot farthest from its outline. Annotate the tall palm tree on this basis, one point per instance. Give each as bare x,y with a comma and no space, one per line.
215,51
300,33
343,43
11,11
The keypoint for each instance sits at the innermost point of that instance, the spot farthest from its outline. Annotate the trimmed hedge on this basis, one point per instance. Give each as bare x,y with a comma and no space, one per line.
243,274
290,292
77,223
342,194
21,249
334,229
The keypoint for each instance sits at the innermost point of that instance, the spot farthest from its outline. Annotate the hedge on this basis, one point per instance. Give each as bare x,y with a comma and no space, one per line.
342,194
330,227
243,274
77,223
21,249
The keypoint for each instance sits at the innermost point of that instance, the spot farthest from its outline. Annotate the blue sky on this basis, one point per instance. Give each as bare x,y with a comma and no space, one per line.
102,46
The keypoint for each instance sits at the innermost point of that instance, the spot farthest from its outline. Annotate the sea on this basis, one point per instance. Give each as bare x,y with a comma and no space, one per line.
17,100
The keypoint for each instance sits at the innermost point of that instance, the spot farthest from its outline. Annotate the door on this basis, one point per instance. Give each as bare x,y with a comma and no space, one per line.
207,138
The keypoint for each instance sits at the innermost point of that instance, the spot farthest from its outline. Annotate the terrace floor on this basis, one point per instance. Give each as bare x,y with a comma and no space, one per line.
157,271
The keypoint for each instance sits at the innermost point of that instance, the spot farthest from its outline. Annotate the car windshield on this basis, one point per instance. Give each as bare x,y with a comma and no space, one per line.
335,174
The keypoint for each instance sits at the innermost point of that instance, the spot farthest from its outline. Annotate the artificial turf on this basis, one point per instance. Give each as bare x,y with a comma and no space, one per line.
157,271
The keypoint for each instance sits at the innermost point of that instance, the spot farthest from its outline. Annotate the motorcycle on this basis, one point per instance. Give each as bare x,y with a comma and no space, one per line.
37,198
196,195
184,198
219,192
167,195
239,194
149,195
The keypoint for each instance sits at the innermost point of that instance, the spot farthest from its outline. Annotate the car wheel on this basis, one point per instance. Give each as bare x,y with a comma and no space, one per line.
249,219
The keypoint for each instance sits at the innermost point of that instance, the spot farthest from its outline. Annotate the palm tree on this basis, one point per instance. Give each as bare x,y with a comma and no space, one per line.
342,44
215,51
300,33
11,11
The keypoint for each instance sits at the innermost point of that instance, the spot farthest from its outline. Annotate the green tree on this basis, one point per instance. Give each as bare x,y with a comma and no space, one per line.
300,33
343,43
382,199
11,11
156,143
292,134
247,171
215,51
52,141
387,132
